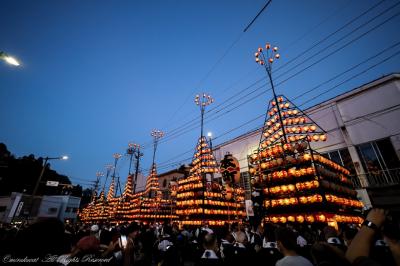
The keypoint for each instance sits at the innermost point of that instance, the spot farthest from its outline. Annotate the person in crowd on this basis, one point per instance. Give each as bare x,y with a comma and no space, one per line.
147,238
131,252
239,235
349,232
359,251
257,238
226,248
332,237
324,254
51,234
286,242
210,246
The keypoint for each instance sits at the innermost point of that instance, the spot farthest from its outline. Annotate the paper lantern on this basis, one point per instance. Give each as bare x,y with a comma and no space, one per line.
300,218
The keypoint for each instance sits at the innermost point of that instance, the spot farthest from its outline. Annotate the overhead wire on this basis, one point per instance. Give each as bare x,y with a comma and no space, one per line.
219,60
211,118
327,90
292,60
324,49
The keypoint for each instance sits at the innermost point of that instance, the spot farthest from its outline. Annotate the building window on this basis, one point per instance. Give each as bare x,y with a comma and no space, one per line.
380,162
74,210
388,153
68,209
378,156
343,158
52,210
164,184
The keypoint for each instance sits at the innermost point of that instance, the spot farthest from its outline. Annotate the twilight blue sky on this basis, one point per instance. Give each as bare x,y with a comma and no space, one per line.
98,74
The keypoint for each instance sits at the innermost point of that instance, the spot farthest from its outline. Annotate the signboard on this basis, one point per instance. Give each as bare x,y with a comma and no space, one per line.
14,206
249,208
52,183
19,208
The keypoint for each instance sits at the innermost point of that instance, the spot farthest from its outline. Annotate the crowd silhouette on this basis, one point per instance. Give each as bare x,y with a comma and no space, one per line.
51,242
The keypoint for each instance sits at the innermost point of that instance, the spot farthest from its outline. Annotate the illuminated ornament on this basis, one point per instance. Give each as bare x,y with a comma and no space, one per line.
310,218
300,218
291,218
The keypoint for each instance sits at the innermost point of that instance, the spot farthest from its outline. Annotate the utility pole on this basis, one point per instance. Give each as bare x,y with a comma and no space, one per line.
96,185
136,152
116,158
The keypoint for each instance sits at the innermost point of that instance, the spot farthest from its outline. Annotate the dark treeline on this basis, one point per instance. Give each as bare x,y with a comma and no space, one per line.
21,174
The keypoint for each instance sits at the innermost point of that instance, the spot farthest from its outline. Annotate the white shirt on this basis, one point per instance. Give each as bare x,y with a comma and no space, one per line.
301,241
164,244
293,261
209,254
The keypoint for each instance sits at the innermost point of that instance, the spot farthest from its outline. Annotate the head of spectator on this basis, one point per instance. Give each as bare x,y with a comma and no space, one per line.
88,244
332,237
348,234
49,231
286,241
210,246
327,255
132,230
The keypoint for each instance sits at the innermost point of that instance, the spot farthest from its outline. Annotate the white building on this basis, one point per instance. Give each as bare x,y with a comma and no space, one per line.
363,127
16,207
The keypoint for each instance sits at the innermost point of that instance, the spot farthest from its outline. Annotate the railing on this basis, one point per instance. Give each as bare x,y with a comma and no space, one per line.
377,178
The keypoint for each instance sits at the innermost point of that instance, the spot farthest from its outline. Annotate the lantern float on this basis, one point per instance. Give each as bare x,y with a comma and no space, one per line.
301,185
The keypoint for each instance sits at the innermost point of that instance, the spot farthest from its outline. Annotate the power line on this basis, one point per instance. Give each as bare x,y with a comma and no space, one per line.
333,33
258,14
214,66
208,119
354,76
328,90
347,70
327,37
333,14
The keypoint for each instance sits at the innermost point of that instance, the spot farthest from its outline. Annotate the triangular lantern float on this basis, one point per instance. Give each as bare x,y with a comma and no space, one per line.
149,204
296,183
201,200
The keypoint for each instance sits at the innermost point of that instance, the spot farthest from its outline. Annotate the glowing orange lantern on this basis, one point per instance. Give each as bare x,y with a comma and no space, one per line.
300,218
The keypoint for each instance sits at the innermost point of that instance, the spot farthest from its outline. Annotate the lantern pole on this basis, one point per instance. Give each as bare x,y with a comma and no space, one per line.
266,59
108,168
130,152
156,134
99,175
137,154
116,158
202,101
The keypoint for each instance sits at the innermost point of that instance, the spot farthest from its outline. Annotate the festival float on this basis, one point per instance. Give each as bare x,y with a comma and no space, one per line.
291,181
149,206
200,200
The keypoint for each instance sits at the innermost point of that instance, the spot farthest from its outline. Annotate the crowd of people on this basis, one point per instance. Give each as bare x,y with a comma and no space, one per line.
49,241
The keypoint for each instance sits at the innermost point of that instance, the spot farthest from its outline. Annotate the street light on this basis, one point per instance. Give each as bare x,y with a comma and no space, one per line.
64,157
9,59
